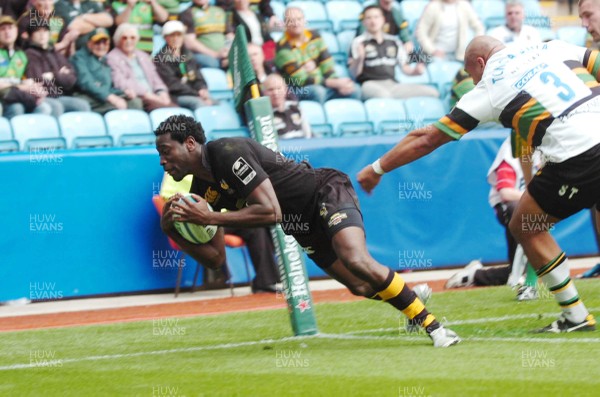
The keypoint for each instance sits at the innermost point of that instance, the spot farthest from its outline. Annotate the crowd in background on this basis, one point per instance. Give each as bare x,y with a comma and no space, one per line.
73,55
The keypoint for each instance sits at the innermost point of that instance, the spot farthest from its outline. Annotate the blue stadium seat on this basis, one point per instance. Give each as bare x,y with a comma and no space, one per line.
412,11
572,34
37,131
7,142
423,78
314,13
348,117
278,9
84,129
345,40
158,42
341,70
129,127
221,120
388,115
313,112
218,86
546,34
332,45
423,110
490,12
343,14
442,74
157,116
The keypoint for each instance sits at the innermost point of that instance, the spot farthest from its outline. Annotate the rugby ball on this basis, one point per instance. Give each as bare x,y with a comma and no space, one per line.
196,234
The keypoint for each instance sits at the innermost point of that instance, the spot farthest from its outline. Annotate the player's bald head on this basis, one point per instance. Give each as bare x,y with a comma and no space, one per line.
479,50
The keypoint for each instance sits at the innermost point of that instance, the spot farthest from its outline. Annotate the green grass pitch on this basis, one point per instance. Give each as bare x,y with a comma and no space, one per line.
363,351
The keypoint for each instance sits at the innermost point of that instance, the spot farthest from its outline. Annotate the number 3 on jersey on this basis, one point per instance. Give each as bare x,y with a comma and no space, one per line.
564,91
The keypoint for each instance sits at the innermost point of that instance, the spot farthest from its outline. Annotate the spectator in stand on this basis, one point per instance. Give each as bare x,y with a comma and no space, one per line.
515,31
13,8
54,71
395,23
287,117
18,96
374,56
257,30
257,59
179,71
305,63
443,30
133,70
207,34
261,7
142,14
83,16
94,80
62,37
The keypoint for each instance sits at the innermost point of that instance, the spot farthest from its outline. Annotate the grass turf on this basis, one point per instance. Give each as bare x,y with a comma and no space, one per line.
363,351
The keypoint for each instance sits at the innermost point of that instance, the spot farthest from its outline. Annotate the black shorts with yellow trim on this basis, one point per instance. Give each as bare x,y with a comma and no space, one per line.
338,209
563,189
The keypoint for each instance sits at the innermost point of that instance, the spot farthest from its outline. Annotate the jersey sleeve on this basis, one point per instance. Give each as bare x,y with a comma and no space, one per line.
473,108
506,177
239,167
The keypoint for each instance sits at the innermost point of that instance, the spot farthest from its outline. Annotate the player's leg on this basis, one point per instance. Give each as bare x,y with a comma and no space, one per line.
350,247
531,225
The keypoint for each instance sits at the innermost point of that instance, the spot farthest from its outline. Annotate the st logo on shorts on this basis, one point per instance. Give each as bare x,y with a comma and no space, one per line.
243,171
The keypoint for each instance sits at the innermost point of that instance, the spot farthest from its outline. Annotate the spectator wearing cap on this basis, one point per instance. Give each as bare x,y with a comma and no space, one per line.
18,96
305,63
133,70
142,14
208,36
179,70
94,77
52,70
43,13
83,16
287,117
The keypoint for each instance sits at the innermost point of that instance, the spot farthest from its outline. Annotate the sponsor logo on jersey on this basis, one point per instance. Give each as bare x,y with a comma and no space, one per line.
337,218
243,171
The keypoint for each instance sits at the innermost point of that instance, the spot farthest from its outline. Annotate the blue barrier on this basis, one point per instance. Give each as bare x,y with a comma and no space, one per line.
80,223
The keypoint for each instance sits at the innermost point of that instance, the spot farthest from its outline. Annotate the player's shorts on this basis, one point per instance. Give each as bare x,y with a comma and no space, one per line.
563,189
337,209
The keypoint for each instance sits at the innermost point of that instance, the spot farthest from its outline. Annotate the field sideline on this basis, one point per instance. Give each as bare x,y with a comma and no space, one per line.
363,350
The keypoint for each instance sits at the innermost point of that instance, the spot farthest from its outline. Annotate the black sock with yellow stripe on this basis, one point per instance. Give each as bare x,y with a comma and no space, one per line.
395,292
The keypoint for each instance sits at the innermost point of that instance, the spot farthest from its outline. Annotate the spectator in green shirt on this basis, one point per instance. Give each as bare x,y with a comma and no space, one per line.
306,64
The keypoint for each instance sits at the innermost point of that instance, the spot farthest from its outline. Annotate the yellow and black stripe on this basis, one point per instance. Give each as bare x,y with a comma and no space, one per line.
553,264
397,294
456,123
591,62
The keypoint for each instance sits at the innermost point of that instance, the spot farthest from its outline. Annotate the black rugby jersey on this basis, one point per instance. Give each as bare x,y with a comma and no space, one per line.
239,165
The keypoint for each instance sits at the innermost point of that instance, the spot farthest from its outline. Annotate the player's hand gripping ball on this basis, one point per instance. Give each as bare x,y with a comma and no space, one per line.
197,234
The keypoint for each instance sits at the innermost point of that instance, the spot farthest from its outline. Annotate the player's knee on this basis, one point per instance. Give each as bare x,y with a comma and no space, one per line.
356,261
363,290
516,228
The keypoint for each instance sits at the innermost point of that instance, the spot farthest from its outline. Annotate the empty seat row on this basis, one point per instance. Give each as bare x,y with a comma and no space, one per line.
350,117
116,128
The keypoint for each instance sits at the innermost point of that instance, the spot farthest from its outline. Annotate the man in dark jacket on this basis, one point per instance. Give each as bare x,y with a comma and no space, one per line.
53,70
94,79
179,71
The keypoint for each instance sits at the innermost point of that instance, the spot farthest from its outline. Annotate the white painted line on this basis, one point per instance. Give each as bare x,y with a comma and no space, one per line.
347,336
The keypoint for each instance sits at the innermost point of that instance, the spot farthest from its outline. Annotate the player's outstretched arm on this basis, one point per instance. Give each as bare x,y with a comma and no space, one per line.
210,254
415,145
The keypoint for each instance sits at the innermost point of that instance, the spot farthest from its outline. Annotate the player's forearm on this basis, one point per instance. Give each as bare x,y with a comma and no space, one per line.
254,215
416,144
210,254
